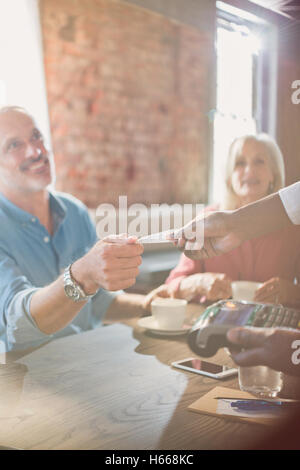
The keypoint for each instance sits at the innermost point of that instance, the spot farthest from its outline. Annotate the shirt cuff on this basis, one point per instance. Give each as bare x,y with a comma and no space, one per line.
290,197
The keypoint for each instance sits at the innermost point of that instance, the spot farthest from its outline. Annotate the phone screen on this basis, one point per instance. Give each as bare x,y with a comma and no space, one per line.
204,366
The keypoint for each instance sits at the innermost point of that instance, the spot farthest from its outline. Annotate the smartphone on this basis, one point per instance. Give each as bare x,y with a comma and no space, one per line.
209,369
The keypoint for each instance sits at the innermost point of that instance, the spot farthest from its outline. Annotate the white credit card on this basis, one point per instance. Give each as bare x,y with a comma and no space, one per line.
152,240
160,237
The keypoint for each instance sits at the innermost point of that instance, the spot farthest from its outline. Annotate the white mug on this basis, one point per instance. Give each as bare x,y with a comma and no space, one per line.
169,314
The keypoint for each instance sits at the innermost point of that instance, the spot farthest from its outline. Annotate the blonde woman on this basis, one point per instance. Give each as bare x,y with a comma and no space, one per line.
254,169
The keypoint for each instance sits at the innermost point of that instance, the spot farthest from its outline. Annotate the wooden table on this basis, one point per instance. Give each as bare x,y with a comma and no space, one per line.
113,388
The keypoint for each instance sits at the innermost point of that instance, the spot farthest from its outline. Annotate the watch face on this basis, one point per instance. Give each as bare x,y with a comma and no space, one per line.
70,291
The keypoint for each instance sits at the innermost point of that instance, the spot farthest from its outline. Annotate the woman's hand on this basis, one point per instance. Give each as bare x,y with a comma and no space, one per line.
165,290
278,291
213,286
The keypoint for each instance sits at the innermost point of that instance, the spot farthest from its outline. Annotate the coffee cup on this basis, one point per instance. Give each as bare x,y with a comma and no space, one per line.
244,290
169,314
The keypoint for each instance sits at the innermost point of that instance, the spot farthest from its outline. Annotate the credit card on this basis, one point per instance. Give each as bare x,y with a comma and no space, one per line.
160,237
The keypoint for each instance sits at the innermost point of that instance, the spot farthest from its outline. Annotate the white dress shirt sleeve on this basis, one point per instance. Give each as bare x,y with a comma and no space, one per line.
290,197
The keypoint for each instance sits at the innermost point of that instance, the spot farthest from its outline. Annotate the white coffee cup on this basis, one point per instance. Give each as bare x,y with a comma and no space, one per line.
168,314
244,290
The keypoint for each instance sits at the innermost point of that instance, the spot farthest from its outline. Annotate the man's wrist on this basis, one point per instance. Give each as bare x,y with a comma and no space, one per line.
81,278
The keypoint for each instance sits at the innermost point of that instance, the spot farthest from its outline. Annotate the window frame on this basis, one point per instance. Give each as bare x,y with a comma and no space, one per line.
264,104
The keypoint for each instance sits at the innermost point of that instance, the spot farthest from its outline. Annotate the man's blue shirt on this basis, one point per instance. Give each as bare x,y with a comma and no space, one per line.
30,258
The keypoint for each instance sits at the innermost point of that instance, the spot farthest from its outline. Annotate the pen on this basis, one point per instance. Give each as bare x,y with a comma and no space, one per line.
276,402
265,406
261,405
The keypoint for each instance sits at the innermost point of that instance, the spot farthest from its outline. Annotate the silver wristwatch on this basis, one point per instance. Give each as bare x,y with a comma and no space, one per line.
72,290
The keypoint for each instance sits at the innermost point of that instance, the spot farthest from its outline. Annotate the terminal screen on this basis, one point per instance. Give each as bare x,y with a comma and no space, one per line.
234,314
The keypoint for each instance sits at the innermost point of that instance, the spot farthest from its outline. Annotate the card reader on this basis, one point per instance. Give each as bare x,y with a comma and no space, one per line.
209,331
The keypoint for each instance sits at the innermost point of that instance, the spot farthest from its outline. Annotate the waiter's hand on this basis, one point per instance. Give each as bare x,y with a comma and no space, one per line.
218,232
278,348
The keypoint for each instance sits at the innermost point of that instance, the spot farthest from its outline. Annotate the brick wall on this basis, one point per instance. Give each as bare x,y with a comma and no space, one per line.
128,96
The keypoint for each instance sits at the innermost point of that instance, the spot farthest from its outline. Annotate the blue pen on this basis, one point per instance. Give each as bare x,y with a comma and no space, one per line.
262,405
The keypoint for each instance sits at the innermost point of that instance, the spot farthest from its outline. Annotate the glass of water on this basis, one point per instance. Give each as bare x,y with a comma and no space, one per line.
260,380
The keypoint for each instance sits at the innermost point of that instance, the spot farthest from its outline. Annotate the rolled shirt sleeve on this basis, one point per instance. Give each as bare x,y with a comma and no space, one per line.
17,328
290,197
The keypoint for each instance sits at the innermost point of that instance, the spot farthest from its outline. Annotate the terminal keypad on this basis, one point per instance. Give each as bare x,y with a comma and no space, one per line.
275,316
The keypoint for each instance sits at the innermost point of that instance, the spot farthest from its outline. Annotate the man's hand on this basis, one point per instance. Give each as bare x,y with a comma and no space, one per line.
219,236
277,348
279,291
112,263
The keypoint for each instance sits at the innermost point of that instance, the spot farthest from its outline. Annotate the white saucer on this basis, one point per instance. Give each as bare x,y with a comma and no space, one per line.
149,324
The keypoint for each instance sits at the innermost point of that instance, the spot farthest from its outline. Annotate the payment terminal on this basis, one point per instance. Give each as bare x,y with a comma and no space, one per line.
209,332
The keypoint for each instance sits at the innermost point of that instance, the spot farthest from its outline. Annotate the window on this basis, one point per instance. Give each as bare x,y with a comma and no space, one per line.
243,91
22,81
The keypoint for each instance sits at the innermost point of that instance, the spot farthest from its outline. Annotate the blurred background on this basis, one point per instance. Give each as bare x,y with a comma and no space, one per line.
143,97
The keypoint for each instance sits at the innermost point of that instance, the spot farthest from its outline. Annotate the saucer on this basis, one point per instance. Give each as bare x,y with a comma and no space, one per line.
150,324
